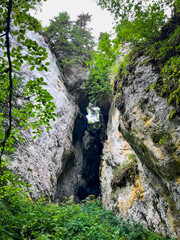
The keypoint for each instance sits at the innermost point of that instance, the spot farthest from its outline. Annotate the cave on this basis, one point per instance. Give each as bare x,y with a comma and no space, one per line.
92,151
80,177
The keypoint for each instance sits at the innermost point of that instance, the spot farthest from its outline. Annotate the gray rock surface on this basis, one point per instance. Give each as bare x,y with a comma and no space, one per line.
40,162
63,162
142,125
73,80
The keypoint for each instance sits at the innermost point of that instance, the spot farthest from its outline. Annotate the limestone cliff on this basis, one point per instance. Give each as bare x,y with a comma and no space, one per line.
140,168
56,164
41,161
146,189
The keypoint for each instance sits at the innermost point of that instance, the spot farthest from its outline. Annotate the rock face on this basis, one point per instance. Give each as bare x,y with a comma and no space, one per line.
65,161
73,79
150,194
140,168
41,161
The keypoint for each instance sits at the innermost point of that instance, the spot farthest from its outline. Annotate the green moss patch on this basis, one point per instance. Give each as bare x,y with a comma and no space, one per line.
127,172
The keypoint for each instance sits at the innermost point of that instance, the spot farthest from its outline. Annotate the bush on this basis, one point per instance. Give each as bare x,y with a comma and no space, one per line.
88,220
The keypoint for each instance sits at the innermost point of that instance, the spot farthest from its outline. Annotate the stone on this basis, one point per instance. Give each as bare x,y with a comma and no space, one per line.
143,127
41,161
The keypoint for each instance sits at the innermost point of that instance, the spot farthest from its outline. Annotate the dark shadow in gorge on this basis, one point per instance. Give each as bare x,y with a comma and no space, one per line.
80,177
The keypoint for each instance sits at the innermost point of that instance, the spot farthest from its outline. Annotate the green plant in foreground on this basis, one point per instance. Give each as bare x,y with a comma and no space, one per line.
37,103
89,221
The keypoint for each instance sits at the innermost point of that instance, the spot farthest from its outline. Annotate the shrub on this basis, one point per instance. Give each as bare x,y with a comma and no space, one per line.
88,221
126,172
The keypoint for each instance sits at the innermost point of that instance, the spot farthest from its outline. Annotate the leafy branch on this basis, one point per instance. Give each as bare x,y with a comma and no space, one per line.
8,131
36,102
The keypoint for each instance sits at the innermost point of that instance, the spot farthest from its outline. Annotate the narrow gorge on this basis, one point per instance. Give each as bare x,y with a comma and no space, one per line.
130,157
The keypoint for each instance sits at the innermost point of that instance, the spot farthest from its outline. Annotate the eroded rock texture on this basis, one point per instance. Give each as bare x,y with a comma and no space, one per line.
142,126
65,161
41,161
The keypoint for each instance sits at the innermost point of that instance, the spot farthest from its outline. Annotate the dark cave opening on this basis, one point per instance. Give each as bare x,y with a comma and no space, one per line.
80,177
92,151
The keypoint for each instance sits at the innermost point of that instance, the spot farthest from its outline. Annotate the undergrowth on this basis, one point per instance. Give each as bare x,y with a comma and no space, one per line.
88,220
21,218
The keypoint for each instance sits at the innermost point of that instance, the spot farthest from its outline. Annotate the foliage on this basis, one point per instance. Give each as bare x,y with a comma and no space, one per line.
139,21
144,25
88,220
71,41
167,52
125,172
98,84
12,189
145,10
23,103
163,140
36,102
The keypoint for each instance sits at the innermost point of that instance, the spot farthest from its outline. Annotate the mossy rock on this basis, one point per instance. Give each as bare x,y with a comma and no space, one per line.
125,173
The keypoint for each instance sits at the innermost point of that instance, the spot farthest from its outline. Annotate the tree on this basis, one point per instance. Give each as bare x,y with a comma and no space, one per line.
71,41
152,27
82,20
98,84
37,102
139,21
143,24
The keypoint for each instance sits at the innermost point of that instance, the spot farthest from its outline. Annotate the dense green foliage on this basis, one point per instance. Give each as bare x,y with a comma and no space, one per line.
143,26
21,218
71,41
166,51
98,84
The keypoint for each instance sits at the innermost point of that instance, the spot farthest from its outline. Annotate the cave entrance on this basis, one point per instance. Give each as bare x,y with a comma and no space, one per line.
92,151
80,177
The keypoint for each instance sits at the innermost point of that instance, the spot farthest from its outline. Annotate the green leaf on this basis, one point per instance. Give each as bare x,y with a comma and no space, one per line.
32,68
15,33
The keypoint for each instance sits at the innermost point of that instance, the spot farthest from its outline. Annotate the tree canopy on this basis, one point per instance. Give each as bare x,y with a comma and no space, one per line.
143,25
139,21
71,41
98,84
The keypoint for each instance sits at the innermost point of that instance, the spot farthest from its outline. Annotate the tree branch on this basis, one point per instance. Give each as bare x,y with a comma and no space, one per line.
3,35
8,131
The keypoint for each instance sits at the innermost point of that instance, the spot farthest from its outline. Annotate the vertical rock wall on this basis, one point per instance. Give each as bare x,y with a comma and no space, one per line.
41,161
149,194
65,160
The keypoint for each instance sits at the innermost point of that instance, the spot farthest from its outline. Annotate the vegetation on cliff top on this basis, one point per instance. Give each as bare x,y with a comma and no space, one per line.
149,30
70,41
